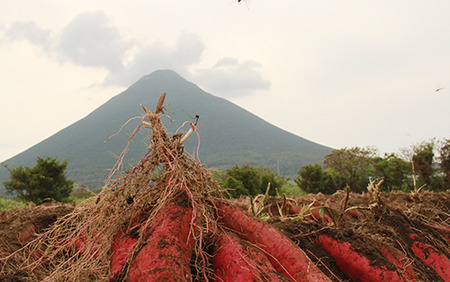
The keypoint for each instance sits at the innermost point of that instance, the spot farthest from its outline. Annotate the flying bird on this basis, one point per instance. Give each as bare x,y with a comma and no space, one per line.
439,89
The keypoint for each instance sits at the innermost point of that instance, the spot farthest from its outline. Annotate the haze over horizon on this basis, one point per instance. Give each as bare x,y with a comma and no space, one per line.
338,74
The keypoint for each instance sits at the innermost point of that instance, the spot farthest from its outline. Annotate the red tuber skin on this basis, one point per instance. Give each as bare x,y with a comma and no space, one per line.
428,254
287,258
237,260
167,252
401,261
315,214
354,265
120,249
26,235
353,213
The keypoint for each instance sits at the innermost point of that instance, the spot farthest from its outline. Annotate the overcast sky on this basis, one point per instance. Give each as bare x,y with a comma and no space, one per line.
339,73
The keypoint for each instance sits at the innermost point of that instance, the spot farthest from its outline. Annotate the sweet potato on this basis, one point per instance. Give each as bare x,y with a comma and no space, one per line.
354,265
396,257
27,234
315,214
82,243
287,258
237,260
294,209
167,252
431,257
353,213
120,249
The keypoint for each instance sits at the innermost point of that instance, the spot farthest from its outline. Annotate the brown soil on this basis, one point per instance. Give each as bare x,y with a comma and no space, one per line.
20,226
387,221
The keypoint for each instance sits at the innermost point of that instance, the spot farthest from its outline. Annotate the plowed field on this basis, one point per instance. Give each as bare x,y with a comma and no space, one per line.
350,237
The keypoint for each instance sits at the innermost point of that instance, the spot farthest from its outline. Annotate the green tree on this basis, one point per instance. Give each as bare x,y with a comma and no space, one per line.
309,178
268,176
393,170
444,162
332,181
236,188
354,164
248,180
422,158
314,179
45,180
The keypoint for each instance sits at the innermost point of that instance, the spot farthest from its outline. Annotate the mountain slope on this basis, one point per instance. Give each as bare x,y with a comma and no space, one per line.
229,134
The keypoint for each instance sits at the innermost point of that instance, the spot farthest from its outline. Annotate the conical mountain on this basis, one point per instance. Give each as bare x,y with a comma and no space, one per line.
228,133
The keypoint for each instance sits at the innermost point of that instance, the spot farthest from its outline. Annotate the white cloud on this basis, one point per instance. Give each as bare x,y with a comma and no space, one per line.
31,32
91,40
230,78
187,51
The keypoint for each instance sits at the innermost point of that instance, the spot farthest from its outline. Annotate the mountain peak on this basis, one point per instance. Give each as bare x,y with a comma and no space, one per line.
229,134
161,74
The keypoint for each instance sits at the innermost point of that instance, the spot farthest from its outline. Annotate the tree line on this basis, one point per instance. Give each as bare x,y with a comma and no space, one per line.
415,168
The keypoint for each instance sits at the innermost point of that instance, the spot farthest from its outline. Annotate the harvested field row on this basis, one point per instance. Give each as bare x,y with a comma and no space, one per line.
405,240
360,238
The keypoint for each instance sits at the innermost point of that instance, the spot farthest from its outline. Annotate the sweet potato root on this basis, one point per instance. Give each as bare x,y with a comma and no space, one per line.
167,252
237,260
401,261
431,257
354,213
287,258
27,234
120,249
315,214
354,265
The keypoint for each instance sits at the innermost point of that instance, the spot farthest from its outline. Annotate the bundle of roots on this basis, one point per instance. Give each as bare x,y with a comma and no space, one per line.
165,219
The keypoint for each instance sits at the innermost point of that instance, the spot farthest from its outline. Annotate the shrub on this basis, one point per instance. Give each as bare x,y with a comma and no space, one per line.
46,180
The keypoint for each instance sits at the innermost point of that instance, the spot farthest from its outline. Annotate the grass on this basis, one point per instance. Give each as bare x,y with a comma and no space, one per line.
290,189
6,204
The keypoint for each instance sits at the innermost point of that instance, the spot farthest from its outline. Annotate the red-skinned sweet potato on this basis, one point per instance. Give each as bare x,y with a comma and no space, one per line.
354,265
167,252
237,260
287,258
431,257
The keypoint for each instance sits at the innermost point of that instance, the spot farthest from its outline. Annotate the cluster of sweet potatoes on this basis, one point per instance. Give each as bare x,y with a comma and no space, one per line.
242,248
